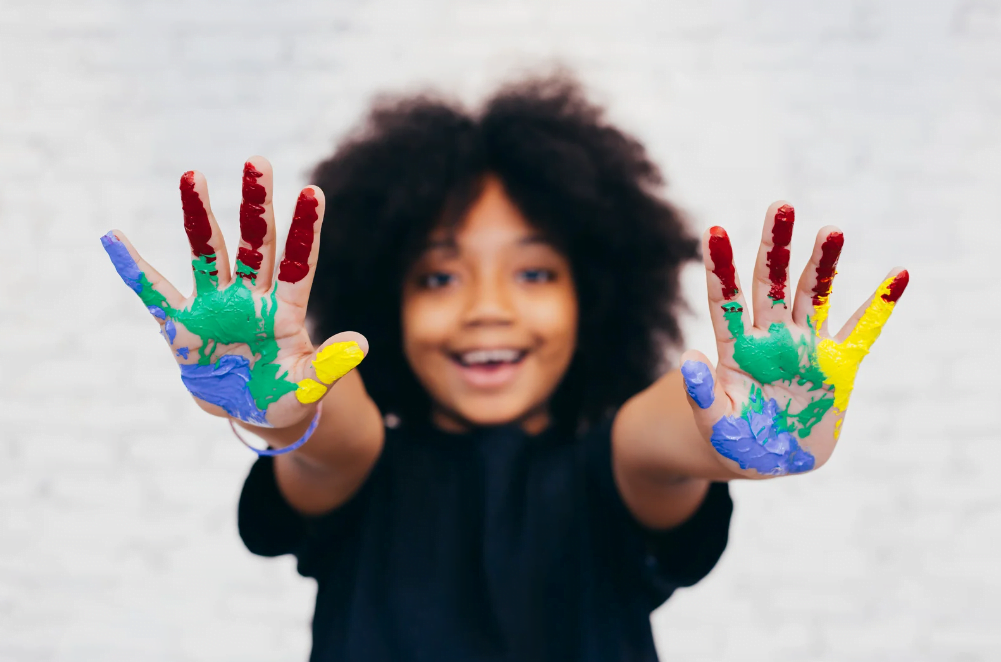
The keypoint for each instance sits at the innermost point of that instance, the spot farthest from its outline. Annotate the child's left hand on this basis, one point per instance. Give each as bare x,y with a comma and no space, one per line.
777,399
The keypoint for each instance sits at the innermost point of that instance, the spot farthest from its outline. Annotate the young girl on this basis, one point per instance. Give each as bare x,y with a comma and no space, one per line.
512,480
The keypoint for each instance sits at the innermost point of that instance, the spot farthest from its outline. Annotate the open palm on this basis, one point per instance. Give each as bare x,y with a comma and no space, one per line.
777,398
240,339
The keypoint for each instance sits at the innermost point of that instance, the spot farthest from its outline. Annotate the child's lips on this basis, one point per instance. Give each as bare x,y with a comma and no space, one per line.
489,375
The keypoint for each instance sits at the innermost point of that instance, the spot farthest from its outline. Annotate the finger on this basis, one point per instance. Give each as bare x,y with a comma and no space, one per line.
156,293
770,288
709,402
861,331
814,288
209,260
298,265
256,258
839,358
726,302
338,356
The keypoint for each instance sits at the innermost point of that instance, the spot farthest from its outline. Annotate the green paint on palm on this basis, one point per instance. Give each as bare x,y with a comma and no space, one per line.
778,358
785,421
230,316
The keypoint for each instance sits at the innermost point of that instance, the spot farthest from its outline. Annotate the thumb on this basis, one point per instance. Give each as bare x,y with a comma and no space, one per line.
336,357
708,400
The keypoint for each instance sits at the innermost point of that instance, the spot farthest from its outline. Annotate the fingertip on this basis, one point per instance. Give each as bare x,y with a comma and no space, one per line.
782,212
313,191
260,163
895,288
699,381
192,178
350,336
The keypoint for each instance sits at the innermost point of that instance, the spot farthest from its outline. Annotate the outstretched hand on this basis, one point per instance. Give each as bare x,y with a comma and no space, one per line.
240,339
776,400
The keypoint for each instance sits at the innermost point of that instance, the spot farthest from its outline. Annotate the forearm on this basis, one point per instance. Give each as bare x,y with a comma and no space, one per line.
661,462
655,436
333,464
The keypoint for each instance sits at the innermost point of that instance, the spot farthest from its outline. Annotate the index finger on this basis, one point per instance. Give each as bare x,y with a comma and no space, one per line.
298,264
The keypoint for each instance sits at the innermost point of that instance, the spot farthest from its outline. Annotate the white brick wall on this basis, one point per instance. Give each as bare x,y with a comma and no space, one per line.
117,495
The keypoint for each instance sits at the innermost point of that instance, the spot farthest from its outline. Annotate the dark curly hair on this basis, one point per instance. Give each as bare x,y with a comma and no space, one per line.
418,162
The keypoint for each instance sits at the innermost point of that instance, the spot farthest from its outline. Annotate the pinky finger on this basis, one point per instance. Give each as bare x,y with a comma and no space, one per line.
153,289
298,265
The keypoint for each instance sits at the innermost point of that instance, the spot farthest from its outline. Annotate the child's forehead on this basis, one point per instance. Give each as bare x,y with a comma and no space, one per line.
492,220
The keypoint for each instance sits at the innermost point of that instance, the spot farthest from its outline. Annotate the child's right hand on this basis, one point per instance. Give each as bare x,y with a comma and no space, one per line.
240,339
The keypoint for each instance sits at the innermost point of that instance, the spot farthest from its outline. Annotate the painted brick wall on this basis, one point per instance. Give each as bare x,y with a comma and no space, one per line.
117,495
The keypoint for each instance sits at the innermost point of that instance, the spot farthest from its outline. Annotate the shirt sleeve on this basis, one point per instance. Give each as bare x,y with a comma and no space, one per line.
656,562
269,526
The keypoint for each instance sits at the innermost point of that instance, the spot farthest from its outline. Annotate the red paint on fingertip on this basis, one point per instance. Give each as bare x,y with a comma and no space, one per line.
295,264
897,287
777,259
196,218
826,270
721,253
253,227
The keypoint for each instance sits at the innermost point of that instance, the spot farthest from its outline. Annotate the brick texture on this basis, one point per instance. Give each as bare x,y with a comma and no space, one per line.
117,495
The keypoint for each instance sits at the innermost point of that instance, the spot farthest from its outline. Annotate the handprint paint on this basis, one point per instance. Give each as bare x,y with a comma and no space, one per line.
766,435
234,315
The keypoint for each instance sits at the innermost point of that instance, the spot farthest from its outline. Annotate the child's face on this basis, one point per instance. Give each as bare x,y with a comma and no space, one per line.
490,318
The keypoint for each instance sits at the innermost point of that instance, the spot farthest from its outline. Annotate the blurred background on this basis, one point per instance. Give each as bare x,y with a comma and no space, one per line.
118,495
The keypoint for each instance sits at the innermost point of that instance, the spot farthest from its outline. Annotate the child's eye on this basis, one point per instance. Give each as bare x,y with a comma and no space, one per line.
536,275
436,279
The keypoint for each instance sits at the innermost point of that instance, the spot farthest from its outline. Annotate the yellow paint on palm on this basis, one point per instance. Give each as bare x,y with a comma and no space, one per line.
840,361
331,363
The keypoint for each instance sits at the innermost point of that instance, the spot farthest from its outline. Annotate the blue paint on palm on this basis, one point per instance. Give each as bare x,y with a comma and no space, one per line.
171,330
183,352
225,383
758,440
698,383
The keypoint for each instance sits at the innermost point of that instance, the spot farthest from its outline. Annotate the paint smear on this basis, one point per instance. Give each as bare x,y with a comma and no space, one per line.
337,360
840,361
830,251
253,227
225,383
758,439
126,267
896,287
777,259
775,357
196,219
182,352
310,391
331,363
218,317
721,253
298,246
698,383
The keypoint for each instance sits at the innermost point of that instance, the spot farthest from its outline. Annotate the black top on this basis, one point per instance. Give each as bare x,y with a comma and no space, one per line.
493,545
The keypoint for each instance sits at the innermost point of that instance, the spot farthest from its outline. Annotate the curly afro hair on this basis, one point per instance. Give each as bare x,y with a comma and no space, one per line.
418,162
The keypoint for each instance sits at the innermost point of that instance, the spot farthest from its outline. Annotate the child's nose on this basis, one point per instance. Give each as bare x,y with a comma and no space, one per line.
490,302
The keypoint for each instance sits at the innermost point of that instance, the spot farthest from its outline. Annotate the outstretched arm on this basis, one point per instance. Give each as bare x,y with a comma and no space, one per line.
775,402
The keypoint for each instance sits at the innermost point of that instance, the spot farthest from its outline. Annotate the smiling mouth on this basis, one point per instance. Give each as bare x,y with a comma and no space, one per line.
489,358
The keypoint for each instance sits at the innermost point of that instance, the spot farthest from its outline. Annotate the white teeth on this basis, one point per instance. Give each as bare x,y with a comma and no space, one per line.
480,356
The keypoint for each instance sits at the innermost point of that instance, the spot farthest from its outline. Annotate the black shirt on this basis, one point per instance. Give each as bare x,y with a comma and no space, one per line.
493,545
